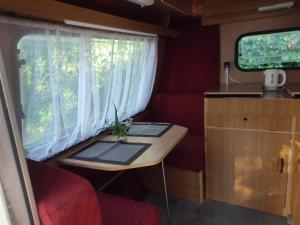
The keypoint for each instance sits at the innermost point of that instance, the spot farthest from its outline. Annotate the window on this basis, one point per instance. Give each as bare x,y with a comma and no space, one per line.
70,79
268,50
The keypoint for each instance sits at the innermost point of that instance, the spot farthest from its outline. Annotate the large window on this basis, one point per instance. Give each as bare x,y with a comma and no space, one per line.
268,50
71,78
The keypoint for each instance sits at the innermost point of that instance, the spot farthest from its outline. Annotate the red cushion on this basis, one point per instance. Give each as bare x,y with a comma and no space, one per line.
122,211
185,110
63,198
188,154
191,144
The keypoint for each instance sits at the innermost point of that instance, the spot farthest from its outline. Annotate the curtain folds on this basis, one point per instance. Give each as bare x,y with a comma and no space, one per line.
71,78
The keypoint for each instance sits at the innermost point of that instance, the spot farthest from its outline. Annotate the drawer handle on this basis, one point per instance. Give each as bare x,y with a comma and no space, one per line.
280,165
245,118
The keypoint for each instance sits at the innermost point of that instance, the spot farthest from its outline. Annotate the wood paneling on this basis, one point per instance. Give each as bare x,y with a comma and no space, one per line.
242,168
218,7
58,12
229,34
219,12
296,216
295,204
267,122
253,106
269,133
182,184
252,113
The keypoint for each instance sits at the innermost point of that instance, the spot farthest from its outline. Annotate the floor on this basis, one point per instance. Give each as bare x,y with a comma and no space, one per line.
211,213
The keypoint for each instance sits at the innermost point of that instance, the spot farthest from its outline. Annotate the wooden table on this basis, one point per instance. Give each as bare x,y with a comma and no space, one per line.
155,154
159,149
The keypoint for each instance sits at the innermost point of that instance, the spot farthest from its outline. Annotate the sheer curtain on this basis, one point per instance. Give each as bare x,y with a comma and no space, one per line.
70,79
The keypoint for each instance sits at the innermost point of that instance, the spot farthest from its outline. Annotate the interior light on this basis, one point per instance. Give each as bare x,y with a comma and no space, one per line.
142,2
285,5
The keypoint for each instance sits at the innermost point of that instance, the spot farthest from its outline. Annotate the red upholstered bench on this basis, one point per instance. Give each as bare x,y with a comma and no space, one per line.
186,110
123,211
64,198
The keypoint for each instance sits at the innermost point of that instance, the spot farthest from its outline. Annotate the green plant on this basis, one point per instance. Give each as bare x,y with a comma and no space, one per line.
117,128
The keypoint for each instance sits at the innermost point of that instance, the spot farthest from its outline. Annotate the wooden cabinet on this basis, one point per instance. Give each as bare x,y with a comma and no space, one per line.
250,152
247,168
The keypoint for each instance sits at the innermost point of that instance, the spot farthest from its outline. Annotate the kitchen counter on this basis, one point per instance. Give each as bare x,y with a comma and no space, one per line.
248,90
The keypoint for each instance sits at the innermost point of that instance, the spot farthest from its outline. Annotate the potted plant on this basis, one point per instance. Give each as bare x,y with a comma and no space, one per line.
118,128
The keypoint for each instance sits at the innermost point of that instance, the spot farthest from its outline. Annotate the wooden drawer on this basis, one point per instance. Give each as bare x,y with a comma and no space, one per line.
250,121
252,106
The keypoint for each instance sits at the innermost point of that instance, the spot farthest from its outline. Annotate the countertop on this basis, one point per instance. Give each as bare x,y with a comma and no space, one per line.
251,91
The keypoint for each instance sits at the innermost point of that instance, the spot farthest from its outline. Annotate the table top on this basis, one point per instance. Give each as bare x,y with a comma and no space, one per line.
249,90
159,149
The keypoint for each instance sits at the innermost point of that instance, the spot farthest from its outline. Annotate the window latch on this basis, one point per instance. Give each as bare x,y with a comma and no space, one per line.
21,62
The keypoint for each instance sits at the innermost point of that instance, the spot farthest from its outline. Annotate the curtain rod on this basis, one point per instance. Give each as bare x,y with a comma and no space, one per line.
101,27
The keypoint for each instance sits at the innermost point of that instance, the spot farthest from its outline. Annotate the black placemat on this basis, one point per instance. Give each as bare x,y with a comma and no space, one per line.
120,153
148,129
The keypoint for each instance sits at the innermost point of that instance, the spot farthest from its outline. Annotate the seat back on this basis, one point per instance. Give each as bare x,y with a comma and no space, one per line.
63,198
182,109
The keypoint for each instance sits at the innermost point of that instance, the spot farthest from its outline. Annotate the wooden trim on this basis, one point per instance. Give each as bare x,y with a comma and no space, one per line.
296,186
217,7
287,210
250,14
249,130
58,12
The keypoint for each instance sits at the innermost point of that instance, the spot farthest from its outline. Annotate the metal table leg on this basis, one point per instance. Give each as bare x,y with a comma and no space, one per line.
166,193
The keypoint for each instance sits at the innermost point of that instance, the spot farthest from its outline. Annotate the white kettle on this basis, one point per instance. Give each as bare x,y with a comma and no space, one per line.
272,77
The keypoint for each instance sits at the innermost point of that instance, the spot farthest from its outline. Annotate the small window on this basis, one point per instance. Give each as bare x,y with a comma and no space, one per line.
278,49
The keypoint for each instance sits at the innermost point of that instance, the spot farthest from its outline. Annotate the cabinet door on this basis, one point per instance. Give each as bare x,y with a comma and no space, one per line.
247,168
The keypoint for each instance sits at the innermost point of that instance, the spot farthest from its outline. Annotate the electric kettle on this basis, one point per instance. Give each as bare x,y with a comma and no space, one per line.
272,78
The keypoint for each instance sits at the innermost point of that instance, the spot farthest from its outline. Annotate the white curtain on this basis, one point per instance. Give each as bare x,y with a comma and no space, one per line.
71,78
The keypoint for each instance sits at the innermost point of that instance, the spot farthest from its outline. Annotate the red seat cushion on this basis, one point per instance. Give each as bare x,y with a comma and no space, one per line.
123,211
63,198
185,110
188,154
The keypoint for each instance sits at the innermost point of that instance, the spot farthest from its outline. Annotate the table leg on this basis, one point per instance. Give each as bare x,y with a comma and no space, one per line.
166,193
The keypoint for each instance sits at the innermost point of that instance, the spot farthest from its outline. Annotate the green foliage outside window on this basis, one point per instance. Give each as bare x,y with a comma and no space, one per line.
36,87
269,50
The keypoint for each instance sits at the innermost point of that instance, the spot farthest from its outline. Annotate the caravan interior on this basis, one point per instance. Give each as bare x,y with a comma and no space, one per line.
149,112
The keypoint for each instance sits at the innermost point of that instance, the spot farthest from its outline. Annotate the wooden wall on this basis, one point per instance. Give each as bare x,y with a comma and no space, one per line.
230,32
229,11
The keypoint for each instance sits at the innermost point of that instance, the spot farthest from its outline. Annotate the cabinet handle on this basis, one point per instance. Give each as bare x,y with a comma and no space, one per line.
280,165
245,118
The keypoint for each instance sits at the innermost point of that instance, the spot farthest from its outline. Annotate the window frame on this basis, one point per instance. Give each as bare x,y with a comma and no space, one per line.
236,55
